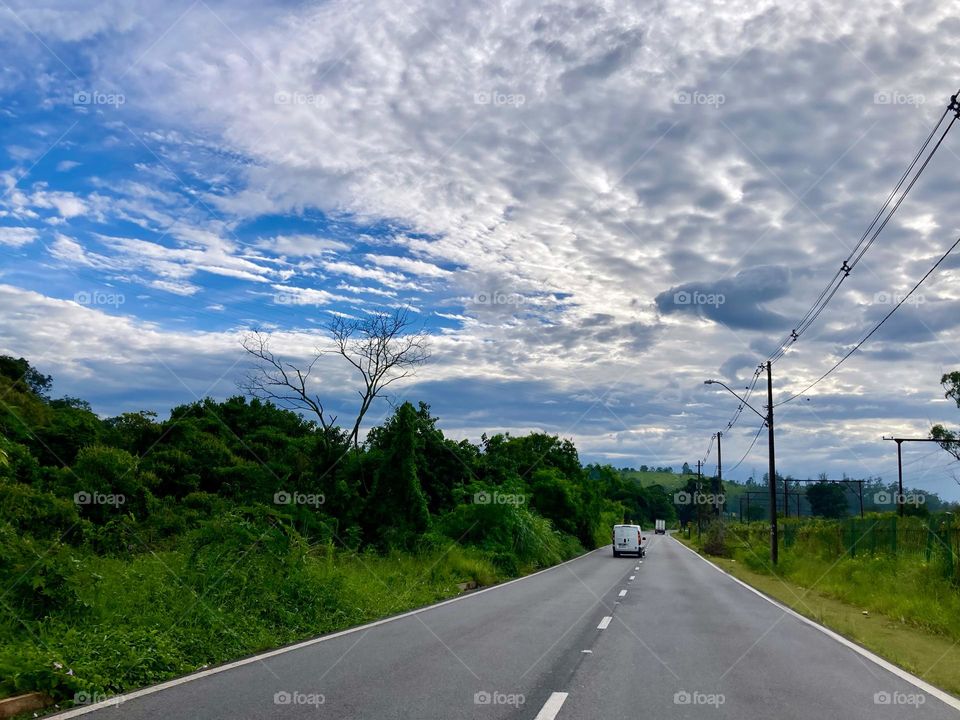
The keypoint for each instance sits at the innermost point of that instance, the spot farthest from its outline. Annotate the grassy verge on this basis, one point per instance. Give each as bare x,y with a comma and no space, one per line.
910,618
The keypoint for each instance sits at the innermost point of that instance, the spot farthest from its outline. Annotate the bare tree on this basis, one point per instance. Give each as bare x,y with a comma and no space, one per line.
383,347
281,382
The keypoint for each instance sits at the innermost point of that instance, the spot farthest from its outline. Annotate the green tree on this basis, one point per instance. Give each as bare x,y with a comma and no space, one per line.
24,375
105,482
397,503
827,499
949,439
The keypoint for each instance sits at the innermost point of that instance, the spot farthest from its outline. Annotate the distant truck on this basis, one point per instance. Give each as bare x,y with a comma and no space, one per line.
660,527
628,540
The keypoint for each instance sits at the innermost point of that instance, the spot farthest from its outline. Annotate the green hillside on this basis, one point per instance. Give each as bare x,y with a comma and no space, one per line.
668,480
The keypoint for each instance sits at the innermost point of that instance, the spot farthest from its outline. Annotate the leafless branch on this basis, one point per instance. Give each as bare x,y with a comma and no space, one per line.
383,347
281,382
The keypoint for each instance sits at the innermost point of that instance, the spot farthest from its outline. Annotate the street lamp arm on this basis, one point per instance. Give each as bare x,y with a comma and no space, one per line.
729,390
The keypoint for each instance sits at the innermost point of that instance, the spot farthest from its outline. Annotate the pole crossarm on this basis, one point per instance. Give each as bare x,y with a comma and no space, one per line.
900,441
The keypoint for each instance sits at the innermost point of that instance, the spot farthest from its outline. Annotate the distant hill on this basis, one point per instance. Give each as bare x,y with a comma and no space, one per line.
668,480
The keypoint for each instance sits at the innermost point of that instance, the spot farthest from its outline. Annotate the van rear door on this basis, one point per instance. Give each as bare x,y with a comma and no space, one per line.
626,538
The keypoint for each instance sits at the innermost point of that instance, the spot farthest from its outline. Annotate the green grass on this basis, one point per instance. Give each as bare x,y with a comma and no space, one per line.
669,481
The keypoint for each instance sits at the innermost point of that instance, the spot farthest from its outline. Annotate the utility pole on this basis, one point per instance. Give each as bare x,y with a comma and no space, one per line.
900,442
772,474
899,478
774,550
718,482
695,505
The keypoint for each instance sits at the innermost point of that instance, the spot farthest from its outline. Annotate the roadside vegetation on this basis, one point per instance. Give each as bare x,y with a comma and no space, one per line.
134,549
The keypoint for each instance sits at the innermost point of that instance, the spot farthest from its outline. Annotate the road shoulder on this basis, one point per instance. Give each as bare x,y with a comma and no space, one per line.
932,658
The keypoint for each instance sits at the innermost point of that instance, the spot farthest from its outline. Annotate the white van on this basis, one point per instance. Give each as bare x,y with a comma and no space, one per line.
628,539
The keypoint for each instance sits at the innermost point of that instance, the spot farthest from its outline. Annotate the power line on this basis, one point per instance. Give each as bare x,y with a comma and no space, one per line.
875,327
709,450
860,249
755,438
746,399
867,239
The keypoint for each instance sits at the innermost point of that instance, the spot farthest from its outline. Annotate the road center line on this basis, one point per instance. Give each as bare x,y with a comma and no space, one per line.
622,593
552,706
605,622
632,577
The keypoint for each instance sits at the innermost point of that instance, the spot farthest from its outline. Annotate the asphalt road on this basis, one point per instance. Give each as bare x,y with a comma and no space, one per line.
579,641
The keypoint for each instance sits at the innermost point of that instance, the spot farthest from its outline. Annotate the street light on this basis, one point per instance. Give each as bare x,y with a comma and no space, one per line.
727,388
772,472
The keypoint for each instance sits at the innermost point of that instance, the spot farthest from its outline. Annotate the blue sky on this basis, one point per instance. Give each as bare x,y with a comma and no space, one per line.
539,184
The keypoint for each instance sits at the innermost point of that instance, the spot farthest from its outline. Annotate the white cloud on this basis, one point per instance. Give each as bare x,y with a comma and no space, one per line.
409,265
17,236
302,245
67,204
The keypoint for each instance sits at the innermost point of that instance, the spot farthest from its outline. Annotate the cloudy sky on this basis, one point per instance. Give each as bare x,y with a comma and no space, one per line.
591,207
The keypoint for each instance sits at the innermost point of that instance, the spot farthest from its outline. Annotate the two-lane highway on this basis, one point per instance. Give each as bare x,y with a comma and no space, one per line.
596,638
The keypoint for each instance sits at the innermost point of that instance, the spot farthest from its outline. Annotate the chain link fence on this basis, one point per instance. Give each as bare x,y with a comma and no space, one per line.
932,540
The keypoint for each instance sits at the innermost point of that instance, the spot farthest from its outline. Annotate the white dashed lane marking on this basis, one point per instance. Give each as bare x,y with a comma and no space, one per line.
552,706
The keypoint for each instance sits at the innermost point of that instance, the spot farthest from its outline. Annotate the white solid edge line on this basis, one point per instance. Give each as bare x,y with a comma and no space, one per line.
605,623
885,664
552,706
622,593
118,699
